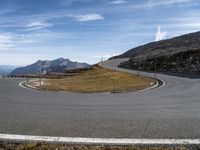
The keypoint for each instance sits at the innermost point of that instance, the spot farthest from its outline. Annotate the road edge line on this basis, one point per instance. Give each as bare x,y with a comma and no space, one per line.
27,86
110,141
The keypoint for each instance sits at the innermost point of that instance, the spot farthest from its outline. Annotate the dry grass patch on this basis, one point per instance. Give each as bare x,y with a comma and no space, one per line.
46,146
98,79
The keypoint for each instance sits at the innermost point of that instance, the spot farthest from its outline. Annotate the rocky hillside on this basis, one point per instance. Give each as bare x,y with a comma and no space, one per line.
187,62
177,55
57,65
165,47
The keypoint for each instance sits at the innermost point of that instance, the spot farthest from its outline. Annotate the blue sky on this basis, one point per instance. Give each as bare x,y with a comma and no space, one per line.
85,30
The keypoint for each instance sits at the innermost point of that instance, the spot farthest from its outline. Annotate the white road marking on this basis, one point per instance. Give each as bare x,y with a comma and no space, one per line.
20,84
155,86
28,86
163,83
111,141
149,88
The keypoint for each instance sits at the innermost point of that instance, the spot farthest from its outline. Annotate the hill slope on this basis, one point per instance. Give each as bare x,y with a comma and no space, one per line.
187,62
176,55
165,47
57,65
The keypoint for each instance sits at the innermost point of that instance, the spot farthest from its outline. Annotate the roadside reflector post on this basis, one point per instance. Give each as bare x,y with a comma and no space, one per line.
113,68
113,78
40,76
27,74
139,67
155,69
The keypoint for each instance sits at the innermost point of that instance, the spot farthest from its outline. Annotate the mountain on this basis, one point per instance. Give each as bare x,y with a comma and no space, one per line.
6,69
57,65
165,47
177,55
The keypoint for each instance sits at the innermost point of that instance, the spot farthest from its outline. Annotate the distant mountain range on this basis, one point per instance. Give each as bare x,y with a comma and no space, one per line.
57,65
6,69
177,55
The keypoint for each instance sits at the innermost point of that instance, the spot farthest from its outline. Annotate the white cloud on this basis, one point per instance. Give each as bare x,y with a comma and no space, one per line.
5,42
4,39
152,3
69,2
117,1
87,17
160,35
36,25
13,40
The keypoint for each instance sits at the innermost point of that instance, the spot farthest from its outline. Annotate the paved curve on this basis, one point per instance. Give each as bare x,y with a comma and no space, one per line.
172,111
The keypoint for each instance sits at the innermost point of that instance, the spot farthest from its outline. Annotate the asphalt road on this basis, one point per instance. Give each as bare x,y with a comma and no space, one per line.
172,111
